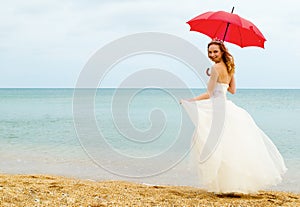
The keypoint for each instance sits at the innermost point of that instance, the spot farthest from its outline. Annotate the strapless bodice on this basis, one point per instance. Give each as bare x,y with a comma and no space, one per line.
220,90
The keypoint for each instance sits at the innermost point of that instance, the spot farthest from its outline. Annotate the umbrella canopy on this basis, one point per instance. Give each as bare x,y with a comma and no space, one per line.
228,27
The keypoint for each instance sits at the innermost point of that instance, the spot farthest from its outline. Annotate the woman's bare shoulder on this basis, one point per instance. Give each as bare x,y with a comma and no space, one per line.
220,67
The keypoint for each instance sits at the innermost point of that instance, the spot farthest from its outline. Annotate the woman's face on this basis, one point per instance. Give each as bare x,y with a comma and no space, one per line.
215,53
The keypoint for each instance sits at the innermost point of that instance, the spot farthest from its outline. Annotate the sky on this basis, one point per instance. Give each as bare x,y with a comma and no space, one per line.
46,44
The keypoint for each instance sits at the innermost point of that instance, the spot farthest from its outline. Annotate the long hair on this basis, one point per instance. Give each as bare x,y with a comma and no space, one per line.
226,57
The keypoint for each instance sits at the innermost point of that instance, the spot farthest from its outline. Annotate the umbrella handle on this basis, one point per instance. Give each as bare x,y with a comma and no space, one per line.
227,26
207,72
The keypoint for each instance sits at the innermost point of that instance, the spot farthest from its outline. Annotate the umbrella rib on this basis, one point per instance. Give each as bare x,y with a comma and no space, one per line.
239,28
217,30
241,39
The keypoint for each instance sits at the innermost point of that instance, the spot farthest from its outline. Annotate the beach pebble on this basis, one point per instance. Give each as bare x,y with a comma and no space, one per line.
71,200
37,200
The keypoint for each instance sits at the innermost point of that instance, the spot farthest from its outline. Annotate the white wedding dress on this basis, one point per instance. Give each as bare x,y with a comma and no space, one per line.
231,152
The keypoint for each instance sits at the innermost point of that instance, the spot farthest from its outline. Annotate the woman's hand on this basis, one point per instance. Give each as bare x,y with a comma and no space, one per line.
189,100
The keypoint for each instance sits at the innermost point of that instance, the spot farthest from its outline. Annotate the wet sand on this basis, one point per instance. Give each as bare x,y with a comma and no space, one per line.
44,190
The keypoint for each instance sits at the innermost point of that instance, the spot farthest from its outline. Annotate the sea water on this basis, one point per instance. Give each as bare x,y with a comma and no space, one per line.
140,135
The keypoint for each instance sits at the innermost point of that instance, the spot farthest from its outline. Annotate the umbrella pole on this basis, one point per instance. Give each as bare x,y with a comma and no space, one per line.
227,26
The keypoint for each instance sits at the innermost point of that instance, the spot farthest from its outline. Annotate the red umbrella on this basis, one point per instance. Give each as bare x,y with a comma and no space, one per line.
229,27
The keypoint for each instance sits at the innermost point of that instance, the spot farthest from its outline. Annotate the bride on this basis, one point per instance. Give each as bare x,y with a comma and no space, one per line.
243,159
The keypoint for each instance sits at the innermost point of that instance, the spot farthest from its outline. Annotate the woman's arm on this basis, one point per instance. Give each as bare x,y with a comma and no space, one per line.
232,86
212,80
201,97
210,86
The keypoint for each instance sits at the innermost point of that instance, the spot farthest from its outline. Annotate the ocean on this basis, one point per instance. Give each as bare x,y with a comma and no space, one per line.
140,135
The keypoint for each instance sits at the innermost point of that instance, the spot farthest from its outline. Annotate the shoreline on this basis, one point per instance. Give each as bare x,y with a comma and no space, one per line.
50,190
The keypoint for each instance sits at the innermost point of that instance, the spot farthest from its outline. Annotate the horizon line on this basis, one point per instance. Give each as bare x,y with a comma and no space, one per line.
140,88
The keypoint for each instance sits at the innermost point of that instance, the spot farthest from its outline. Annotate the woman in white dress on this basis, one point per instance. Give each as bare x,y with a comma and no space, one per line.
241,158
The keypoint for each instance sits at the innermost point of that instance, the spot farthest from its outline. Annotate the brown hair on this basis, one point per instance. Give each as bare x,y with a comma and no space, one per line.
226,57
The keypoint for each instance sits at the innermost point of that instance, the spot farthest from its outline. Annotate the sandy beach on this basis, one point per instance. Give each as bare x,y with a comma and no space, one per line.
44,190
